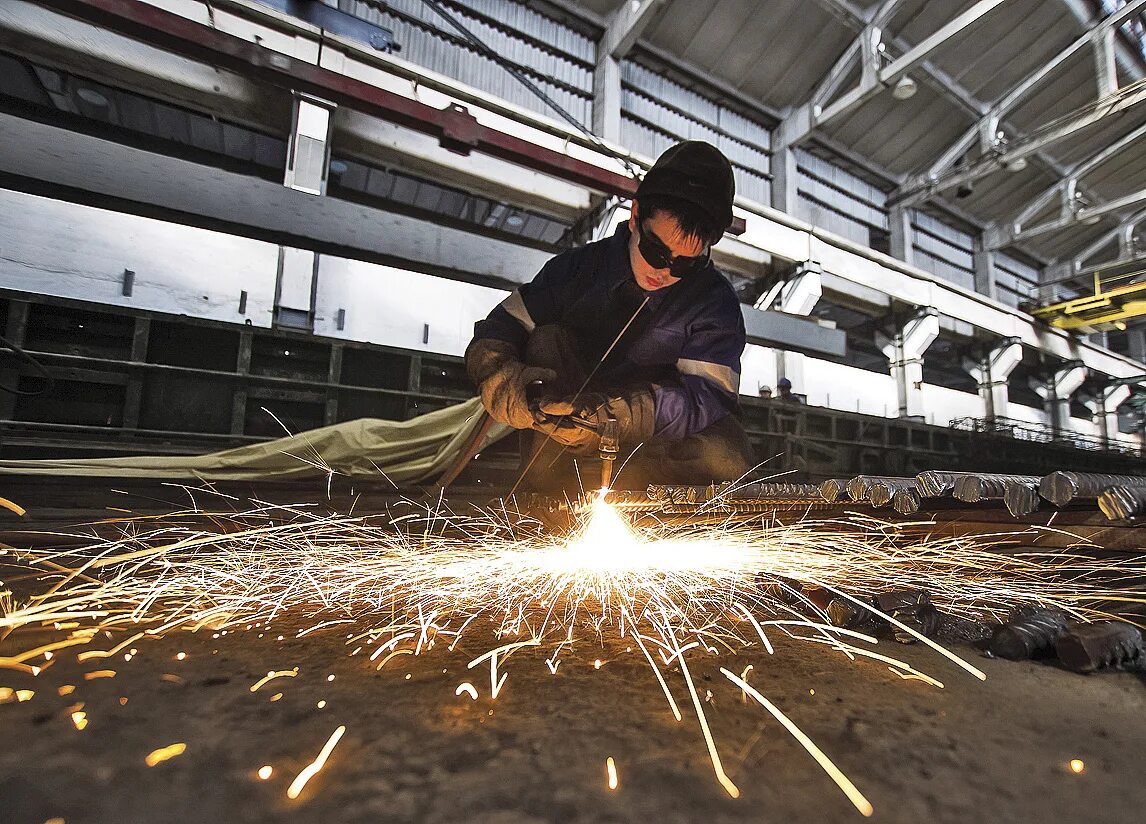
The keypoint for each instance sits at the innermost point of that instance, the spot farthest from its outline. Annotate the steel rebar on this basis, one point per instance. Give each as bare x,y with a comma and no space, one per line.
987,486
906,501
882,491
1061,488
834,490
1121,503
1021,499
937,483
859,487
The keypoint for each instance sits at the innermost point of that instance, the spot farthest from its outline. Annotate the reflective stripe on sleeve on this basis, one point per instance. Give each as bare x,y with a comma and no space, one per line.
723,376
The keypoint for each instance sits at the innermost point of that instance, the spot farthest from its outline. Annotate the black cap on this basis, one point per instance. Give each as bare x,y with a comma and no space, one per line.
696,172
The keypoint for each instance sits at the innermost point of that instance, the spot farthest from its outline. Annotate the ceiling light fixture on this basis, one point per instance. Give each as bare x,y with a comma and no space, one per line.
904,88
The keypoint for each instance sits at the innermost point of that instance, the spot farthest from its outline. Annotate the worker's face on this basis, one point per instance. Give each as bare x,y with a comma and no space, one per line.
664,229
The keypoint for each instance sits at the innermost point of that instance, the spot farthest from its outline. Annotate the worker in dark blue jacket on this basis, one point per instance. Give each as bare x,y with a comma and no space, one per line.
640,327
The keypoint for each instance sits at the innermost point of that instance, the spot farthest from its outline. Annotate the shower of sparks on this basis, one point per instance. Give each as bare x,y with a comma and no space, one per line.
403,583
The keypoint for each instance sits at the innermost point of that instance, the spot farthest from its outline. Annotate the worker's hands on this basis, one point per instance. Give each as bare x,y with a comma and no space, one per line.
635,412
502,378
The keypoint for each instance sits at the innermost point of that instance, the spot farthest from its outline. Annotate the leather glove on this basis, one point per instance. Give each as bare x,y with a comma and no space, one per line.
496,368
635,412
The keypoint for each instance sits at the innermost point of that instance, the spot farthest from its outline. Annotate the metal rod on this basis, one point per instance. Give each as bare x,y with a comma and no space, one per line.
1061,488
975,487
882,490
937,483
834,490
1021,499
1121,503
859,487
906,501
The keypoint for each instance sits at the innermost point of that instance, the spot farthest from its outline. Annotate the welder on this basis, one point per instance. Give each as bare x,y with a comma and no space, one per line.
640,327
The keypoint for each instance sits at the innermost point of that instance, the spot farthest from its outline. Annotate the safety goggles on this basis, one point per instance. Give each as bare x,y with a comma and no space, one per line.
657,254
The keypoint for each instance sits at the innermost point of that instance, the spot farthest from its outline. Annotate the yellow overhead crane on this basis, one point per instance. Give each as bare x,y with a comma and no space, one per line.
1107,309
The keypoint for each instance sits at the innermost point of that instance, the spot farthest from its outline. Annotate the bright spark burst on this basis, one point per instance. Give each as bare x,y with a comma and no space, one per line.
675,595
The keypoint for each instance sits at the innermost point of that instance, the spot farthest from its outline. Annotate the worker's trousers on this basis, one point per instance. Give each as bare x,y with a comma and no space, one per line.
719,453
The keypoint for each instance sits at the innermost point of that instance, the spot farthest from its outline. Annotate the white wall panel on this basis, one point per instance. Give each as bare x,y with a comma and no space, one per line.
54,248
757,369
944,404
845,387
391,306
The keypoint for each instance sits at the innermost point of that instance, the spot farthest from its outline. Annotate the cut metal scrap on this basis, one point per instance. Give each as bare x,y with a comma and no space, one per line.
1090,647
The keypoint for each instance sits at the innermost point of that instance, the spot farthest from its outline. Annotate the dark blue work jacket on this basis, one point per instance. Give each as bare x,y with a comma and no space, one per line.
686,343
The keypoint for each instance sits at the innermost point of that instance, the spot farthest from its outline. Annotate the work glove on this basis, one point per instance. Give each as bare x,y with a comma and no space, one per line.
502,378
635,412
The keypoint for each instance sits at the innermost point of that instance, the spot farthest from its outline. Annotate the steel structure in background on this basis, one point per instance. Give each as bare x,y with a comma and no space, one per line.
454,126
990,137
890,286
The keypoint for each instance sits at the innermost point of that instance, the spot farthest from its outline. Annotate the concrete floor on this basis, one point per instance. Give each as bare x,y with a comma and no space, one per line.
993,751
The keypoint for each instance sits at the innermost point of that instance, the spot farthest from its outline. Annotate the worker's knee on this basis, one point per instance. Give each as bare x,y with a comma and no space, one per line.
720,453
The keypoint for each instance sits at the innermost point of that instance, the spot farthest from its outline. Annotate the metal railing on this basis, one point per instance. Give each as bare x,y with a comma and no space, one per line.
1042,433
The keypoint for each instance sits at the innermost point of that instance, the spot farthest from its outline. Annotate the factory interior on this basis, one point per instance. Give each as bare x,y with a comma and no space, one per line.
308,515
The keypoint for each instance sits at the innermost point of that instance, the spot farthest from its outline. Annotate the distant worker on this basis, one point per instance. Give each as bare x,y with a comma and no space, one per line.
785,387
764,391
640,327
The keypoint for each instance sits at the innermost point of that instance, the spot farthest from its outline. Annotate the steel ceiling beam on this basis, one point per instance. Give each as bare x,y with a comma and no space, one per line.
874,78
627,24
1067,191
985,132
1127,253
1077,217
1123,101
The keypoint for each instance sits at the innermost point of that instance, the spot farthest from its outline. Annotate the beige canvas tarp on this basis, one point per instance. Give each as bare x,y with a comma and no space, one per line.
405,451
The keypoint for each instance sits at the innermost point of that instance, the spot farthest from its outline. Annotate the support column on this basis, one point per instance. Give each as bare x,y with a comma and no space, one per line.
784,176
308,161
901,234
624,28
905,353
1109,399
992,372
607,98
1136,340
1056,393
983,260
